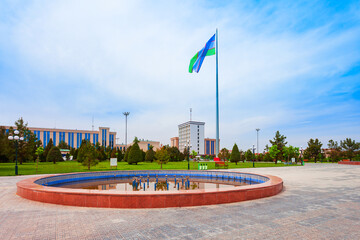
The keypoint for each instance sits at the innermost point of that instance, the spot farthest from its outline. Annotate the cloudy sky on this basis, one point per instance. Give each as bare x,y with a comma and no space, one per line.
292,66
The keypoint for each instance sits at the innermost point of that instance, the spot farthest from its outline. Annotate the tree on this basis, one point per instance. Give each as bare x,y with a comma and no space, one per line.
249,156
119,155
224,154
26,148
150,154
47,148
135,154
193,153
162,156
235,154
335,150
314,148
274,153
126,156
63,145
87,155
279,141
39,151
174,154
290,152
350,146
54,155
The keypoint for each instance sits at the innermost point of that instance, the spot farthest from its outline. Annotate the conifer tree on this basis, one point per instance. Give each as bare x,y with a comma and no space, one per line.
235,154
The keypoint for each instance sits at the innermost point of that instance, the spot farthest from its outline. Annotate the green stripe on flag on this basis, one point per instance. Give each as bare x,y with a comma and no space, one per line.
192,62
210,52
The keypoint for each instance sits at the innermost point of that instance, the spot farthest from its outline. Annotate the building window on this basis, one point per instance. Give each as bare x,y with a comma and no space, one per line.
54,138
78,139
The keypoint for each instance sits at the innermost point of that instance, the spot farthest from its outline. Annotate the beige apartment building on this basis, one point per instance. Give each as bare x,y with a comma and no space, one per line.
174,142
143,144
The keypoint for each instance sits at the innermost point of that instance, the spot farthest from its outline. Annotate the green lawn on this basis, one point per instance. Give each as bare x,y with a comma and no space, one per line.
8,169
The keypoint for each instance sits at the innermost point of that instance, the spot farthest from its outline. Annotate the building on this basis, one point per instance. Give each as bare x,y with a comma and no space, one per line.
192,133
73,137
174,142
210,146
143,145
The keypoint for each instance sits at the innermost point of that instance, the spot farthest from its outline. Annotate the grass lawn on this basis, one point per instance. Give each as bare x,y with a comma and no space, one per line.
8,169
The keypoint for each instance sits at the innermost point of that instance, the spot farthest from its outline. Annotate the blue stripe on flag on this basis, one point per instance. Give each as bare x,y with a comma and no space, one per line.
202,53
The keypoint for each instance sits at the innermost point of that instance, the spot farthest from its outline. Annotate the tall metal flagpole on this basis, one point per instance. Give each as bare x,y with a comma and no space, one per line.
217,97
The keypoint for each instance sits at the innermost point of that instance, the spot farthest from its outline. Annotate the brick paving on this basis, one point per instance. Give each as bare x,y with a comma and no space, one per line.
320,201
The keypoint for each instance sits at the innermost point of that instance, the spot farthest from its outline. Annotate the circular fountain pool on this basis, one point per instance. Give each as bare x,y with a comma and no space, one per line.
149,189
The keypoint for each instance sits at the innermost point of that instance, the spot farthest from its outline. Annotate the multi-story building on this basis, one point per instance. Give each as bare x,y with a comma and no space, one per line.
210,146
73,137
174,142
192,133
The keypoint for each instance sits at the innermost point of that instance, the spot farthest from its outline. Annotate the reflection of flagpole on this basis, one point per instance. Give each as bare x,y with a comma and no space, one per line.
217,97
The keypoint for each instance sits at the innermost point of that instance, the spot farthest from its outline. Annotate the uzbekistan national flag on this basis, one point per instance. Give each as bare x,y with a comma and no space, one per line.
197,60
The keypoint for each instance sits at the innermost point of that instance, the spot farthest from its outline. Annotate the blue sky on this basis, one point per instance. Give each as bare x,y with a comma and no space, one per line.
292,66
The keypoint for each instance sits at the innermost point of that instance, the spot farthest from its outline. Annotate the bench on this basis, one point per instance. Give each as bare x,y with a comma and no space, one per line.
220,164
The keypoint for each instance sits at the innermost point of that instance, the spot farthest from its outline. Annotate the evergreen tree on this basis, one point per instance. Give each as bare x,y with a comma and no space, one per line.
150,154
314,148
63,145
120,155
279,141
54,155
126,157
350,146
47,148
135,154
87,155
235,154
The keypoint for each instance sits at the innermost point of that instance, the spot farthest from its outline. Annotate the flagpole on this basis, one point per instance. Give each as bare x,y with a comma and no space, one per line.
217,97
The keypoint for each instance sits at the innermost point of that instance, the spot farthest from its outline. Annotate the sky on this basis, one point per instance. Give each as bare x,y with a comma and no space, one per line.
292,66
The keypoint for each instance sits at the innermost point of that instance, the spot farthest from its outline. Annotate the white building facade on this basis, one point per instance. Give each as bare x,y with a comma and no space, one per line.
192,133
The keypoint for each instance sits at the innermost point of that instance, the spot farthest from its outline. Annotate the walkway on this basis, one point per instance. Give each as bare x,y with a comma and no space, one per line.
320,201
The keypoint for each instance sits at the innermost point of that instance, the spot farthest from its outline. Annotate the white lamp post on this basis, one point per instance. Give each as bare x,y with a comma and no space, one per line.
16,138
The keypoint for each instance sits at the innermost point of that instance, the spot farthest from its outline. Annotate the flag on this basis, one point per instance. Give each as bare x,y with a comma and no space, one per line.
197,60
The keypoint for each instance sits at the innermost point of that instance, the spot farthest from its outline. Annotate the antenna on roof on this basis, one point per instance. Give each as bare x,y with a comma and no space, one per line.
92,123
190,114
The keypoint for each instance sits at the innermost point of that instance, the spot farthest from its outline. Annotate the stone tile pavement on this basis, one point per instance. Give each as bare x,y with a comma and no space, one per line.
320,201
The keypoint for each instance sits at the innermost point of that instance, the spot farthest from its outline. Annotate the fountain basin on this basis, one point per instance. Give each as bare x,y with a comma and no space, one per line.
42,189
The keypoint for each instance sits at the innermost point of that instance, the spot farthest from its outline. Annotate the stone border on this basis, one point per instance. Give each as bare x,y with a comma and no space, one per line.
349,162
143,199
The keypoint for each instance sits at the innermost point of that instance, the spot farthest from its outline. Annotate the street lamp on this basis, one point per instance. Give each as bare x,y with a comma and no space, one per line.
126,115
257,139
253,148
16,138
188,146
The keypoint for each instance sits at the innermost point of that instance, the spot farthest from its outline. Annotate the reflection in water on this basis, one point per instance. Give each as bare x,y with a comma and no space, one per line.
147,184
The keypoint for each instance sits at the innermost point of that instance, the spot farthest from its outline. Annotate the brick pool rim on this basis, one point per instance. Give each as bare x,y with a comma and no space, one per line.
143,199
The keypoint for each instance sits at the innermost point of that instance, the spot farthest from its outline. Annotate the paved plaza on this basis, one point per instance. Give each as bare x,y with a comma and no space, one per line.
320,201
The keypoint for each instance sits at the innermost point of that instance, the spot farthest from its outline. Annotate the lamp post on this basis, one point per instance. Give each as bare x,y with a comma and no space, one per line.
126,115
253,148
188,146
16,138
257,139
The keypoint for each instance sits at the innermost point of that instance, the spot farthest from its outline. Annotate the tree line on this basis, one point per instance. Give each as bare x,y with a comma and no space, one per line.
346,149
